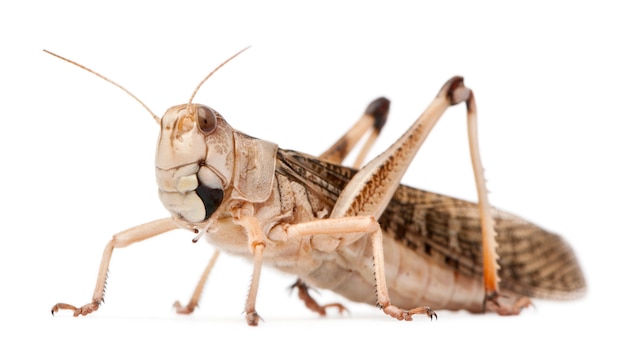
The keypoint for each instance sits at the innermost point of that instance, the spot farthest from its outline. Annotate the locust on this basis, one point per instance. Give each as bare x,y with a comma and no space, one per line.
351,229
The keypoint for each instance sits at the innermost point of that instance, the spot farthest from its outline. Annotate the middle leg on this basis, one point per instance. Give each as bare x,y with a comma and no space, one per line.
371,189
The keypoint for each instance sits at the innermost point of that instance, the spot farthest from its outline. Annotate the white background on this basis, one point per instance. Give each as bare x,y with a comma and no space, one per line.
78,153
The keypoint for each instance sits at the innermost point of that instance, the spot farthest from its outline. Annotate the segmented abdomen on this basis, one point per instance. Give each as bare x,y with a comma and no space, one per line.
533,262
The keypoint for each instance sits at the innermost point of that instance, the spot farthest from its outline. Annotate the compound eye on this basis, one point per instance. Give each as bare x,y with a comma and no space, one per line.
207,121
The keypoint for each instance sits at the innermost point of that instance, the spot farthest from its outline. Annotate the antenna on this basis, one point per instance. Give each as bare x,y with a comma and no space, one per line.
211,73
156,118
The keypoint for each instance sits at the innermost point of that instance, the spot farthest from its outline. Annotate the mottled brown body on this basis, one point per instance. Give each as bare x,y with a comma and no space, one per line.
433,248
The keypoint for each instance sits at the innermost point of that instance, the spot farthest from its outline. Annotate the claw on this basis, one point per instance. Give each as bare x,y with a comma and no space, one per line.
183,310
253,318
401,314
310,303
431,314
83,310
503,305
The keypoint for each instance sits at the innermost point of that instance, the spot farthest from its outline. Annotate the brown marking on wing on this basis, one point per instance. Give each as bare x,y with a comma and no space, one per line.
533,262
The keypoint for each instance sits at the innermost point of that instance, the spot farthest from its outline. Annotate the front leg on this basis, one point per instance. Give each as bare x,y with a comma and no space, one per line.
252,317
197,292
119,240
244,216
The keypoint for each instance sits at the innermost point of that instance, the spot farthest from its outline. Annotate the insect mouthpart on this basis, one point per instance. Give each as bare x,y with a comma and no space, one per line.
211,198
191,192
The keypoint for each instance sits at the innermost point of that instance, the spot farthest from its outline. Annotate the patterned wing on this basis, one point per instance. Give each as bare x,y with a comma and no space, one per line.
533,262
